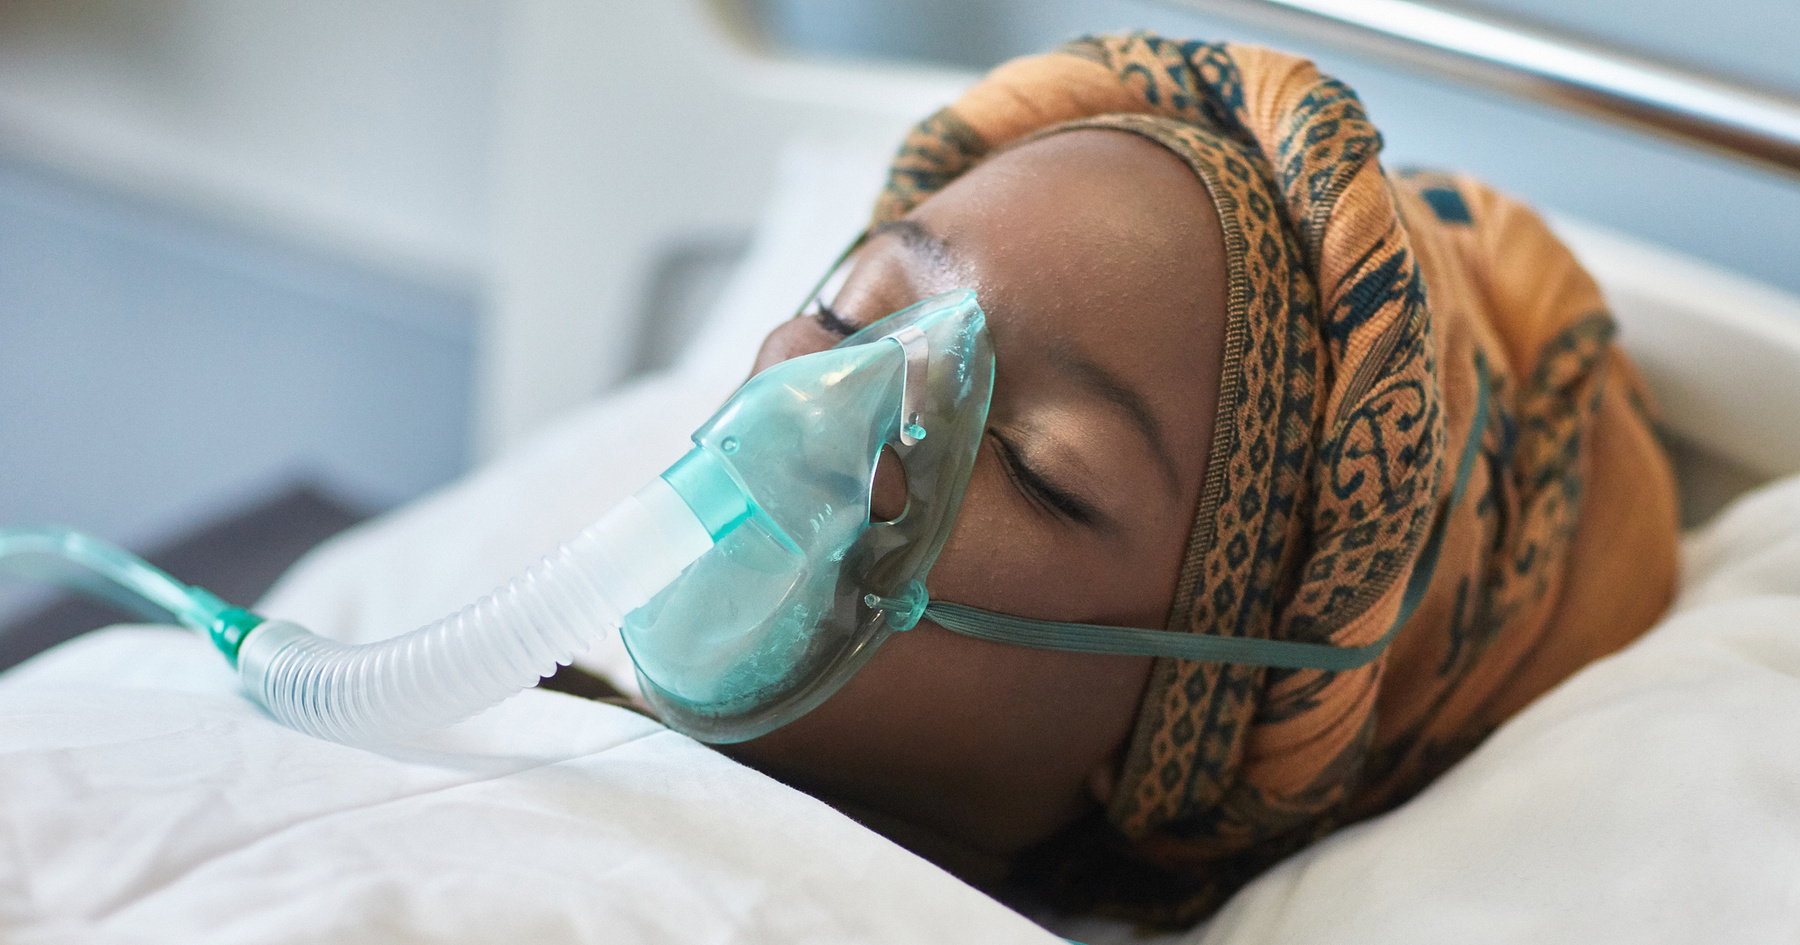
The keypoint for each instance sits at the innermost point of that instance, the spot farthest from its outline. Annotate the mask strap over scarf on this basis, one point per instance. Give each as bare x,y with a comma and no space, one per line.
1272,654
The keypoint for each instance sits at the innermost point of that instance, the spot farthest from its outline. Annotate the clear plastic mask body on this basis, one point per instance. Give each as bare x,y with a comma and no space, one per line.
794,599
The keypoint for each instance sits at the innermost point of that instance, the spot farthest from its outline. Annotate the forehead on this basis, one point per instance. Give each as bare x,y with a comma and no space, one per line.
1093,246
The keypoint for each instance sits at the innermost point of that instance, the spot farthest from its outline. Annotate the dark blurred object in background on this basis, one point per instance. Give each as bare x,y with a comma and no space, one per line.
238,559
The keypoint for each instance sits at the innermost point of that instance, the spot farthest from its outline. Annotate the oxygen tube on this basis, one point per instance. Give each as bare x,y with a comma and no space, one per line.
739,580
438,674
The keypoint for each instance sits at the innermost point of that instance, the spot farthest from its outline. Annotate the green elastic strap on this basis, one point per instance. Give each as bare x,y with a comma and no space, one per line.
1279,654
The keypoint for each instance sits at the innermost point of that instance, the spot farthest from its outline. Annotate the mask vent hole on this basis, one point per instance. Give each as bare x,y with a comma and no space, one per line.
888,496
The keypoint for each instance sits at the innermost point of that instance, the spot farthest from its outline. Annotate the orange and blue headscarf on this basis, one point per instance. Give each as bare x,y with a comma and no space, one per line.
1360,305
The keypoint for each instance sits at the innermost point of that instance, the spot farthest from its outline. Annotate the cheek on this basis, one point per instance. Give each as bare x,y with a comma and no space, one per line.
1004,553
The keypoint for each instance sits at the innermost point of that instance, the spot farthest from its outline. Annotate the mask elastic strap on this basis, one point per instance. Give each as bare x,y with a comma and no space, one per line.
1211,648
837,269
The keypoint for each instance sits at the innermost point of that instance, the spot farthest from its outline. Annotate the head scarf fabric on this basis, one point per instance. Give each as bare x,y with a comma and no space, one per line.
1357,305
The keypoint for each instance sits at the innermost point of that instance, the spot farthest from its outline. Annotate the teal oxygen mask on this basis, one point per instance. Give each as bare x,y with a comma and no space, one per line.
803,587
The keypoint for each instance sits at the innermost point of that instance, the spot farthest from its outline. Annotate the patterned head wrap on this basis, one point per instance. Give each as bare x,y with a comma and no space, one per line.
1341,389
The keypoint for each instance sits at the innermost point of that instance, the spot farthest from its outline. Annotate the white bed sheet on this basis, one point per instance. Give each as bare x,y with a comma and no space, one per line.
144,799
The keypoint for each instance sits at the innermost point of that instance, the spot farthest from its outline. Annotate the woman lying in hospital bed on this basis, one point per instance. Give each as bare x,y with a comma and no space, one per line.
1245,379
1248,386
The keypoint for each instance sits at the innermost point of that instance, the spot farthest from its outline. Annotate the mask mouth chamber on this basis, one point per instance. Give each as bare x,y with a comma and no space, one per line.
747,582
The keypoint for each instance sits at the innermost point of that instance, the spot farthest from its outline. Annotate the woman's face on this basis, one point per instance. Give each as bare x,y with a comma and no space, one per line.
1098,259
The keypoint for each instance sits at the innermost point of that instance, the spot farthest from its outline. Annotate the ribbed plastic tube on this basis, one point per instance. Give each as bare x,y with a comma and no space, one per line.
449,670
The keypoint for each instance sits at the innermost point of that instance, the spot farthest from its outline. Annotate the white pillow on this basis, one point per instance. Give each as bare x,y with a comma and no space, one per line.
1652,797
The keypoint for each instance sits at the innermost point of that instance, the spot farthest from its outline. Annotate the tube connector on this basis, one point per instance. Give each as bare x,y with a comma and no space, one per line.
903,612
230,628
713,497
256,652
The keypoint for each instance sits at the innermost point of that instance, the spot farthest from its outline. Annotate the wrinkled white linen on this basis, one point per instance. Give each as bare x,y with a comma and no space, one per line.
142,798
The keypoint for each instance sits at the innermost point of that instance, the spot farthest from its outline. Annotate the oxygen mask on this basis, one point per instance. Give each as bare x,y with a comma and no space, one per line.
796,596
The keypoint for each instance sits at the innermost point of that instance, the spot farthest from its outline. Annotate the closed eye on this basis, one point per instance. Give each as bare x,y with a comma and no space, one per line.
1041,491
831,321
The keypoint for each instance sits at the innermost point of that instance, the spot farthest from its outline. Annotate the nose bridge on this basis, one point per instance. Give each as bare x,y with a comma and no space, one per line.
804,436
915,382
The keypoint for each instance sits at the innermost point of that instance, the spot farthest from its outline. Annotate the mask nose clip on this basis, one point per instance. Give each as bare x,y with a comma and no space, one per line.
917,349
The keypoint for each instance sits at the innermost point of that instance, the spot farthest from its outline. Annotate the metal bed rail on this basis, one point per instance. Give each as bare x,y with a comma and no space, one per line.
1753,125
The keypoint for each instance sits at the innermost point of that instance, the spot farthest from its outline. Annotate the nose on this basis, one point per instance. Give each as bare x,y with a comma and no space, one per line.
801,336
793,338
887,491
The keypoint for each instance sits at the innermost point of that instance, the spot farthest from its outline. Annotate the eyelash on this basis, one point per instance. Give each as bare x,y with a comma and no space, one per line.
831,321
1023,478
1035,489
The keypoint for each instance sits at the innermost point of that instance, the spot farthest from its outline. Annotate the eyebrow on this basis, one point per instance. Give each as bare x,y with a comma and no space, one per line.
1108,387
1090,375
914,236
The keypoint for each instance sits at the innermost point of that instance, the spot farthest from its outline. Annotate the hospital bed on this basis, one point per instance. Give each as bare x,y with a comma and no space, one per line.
1653,797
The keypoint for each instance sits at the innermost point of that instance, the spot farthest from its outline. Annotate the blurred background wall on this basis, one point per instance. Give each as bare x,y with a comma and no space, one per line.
249,246
1742,219
242,250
